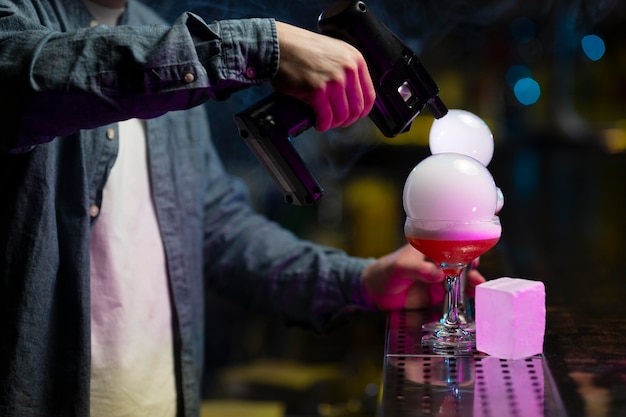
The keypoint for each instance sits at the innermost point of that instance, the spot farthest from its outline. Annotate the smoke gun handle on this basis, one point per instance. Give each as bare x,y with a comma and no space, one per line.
268,127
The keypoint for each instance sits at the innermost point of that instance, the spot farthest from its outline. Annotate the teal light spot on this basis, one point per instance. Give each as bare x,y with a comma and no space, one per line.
593,47
527,91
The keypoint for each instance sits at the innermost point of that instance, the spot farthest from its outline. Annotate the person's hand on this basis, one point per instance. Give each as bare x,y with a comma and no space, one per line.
329,75
406,279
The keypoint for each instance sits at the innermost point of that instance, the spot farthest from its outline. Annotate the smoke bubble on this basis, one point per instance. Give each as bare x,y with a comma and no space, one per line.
450,186
462,132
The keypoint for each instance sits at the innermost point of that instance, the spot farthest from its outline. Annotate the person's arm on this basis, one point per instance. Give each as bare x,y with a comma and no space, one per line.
54,83
262,266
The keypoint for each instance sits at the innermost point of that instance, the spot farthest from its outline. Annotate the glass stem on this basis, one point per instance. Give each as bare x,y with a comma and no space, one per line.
464,312
453,298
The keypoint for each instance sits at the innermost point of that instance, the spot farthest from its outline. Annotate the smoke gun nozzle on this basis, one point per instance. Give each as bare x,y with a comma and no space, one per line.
437,108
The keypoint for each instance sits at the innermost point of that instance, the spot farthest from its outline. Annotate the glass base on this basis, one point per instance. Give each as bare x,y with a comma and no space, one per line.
450,341
435,326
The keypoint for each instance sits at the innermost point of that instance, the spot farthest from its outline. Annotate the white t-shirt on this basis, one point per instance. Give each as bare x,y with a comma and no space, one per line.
132,354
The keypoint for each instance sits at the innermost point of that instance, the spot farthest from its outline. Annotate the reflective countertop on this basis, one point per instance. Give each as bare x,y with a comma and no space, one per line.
418,382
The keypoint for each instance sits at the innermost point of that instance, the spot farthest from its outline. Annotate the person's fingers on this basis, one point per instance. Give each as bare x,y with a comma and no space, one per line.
473,278
360,92
429,272
421,295
412,264
339,103
354,98
417,296
323,111
470,291
436,294
367,89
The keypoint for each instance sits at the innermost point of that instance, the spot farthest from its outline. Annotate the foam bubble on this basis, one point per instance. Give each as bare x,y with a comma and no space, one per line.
462,132
452,230
450,186
500,203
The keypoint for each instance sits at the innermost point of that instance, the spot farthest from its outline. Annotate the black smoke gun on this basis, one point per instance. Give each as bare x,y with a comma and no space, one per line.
403,88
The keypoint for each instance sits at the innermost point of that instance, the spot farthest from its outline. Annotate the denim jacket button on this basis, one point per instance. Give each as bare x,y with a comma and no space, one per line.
189,78
94,211
250,73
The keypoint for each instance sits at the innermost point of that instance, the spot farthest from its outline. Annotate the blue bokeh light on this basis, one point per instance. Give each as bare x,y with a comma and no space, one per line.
527,91
593,46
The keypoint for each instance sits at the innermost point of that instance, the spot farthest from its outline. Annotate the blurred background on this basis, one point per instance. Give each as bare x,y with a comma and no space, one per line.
548,77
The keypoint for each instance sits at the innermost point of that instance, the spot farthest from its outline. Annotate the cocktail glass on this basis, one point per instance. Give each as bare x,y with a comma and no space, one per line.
465,314
452,245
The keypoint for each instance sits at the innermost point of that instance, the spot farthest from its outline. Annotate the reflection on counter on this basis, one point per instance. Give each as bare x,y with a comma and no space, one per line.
585,349
596,397
420,384
429,386
509,387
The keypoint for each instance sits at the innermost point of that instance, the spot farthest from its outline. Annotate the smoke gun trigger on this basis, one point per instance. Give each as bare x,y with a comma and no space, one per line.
267,127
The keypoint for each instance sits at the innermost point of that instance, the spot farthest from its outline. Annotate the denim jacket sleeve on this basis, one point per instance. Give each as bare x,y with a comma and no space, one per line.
56,81
264,267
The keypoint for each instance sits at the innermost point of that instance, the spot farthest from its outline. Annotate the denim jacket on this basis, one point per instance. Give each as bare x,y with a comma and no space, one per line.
64,86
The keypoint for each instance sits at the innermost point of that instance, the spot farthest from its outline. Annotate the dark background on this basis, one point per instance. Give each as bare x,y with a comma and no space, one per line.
561,163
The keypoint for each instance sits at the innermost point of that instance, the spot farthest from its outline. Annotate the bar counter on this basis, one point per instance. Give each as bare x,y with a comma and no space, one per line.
579,374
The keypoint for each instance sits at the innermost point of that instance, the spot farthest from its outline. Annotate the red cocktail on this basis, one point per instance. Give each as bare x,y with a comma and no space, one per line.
446,251
452,245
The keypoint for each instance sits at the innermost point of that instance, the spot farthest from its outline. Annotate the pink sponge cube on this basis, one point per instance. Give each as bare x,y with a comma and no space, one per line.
510,317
